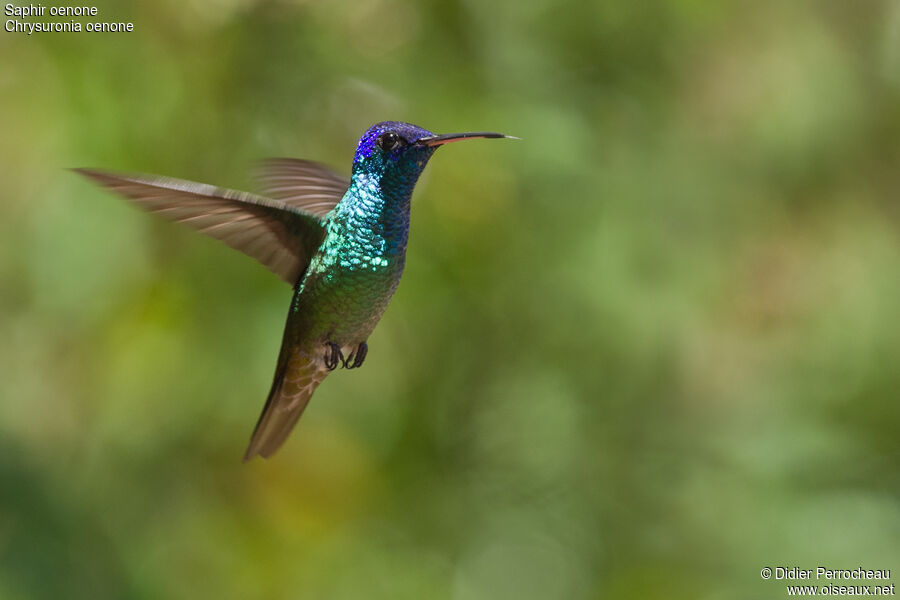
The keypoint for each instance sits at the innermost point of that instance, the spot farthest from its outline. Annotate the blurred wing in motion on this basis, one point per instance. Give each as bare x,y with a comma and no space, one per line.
273,232
303,184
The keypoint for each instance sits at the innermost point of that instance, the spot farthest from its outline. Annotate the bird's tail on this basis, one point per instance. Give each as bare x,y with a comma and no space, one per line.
298,374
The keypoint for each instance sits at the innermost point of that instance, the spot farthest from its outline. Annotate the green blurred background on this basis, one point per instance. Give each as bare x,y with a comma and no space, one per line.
642,353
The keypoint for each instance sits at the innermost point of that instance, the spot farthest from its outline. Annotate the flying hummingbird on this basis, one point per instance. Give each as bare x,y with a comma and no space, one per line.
341,244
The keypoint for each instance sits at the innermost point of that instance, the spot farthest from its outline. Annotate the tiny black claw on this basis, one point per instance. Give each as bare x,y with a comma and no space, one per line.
333,356
356,358
361,352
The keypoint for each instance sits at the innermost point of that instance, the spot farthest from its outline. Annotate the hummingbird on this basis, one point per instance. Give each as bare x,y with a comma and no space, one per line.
340,243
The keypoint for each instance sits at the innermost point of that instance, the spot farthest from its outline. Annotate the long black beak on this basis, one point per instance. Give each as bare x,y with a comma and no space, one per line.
438,140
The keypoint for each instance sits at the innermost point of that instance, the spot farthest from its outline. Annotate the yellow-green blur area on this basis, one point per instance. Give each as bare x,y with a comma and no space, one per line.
644,352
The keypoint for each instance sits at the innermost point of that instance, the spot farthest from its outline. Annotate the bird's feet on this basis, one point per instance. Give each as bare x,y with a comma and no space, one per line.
333,356
356,358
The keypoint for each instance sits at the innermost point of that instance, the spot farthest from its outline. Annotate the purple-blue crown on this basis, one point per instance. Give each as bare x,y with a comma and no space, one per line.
407,131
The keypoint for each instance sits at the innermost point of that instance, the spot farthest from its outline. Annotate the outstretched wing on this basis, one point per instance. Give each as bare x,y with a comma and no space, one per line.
302,184
273,232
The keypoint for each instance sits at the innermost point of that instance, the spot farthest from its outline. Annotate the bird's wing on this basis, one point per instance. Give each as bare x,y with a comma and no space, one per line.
303,184
273,232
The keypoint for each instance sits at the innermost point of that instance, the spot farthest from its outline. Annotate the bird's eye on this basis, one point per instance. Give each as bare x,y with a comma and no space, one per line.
389,141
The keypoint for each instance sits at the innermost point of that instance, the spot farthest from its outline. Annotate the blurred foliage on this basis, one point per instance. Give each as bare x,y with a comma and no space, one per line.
642,353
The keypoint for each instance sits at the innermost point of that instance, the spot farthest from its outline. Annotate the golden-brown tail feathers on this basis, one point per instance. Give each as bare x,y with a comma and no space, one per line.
297,377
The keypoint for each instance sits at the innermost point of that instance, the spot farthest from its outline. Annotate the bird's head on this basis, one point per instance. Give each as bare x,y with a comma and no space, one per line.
396,153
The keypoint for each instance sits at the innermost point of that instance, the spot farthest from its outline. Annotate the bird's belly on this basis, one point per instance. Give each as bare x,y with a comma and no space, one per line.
346,305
